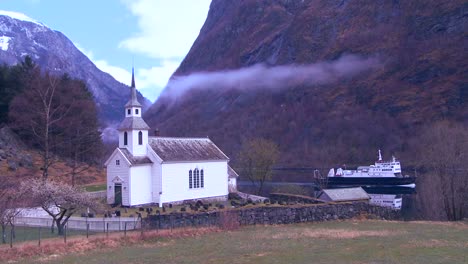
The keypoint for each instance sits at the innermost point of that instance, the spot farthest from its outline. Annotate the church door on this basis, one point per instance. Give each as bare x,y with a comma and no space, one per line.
118,193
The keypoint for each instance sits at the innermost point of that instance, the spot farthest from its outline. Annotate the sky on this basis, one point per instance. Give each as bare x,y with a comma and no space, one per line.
154,35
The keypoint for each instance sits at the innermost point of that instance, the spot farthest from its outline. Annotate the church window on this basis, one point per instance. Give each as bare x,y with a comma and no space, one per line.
140,138
129,111
125,138
136,111
190,179
197,178
202,180
117,162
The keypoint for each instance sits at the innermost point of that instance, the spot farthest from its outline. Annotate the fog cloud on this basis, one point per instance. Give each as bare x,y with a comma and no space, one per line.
261,76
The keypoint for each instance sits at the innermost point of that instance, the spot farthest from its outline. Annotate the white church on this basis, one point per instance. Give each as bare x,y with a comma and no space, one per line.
162,170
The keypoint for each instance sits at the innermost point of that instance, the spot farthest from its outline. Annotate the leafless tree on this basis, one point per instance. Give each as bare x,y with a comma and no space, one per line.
10,205
59,200
256,160
442,151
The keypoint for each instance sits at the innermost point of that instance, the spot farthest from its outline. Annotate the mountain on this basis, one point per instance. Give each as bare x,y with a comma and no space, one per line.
54,52
420,77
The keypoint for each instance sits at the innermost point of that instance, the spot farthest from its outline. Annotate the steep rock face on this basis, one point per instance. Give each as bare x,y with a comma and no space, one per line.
54,52
423,78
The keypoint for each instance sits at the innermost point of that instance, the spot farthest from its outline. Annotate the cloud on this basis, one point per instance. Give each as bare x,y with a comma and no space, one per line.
152,81
273,78
149,81
167,29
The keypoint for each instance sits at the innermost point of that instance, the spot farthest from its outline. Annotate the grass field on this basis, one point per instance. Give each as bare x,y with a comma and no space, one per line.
329,242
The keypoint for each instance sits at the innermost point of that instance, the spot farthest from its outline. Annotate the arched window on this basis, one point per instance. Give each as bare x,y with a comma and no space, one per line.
190,179
125,138
140,138
202,180
136,111
197,178
129,111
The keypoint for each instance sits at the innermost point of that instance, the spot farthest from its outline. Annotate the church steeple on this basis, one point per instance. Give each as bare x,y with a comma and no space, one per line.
133,95
133,131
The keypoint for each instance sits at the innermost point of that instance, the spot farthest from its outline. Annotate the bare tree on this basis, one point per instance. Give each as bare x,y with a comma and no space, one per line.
442,151
59,117
256,160
10,205
59,200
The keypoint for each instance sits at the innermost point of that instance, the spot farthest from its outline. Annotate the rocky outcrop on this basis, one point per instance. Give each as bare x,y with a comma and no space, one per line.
13,150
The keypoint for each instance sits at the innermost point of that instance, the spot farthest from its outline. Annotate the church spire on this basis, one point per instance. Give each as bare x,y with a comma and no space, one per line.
133,95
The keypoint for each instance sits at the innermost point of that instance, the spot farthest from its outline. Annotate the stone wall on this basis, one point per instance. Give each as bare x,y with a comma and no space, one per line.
272,215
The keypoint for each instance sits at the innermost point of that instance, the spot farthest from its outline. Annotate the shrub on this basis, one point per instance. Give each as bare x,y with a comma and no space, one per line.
249,201
182,209
266,201
221,206
170,205
205,206
234,196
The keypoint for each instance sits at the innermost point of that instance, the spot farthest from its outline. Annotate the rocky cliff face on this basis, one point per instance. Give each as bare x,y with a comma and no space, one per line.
54,52
422,77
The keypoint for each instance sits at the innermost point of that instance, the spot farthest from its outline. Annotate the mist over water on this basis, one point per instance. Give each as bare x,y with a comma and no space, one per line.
261,76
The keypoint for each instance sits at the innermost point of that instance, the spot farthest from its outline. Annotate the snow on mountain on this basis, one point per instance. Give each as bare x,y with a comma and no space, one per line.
19,16
4,42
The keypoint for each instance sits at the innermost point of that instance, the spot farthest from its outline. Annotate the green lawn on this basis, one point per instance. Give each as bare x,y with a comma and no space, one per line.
329,242
95,188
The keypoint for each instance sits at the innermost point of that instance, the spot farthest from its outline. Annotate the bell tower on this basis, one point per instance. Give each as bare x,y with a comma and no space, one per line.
133,130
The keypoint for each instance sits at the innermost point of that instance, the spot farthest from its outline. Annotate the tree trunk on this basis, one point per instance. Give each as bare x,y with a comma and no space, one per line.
60,227
3,234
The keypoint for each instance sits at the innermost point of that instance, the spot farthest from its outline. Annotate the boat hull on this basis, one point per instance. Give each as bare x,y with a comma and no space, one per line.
371,181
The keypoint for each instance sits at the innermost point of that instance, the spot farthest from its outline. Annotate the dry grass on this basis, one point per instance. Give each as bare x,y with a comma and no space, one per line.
55,248
335,234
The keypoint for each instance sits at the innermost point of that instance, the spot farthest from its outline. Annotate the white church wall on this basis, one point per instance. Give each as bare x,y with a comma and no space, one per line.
156,170
120,171
140,185
135,148
175,184
232,183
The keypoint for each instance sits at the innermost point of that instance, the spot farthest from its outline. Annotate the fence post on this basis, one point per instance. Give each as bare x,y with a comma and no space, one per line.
107,231
104,224
141,226
39,236
87,230
125,229
65,234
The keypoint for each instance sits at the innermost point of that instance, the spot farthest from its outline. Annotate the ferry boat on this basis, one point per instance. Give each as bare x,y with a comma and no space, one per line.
382,173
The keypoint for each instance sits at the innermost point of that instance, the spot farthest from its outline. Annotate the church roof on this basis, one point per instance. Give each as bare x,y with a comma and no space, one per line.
344,194
134,160
133,122
232,173
186,149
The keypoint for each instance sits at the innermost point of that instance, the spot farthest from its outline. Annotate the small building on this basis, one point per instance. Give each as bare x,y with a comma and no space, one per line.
344,195
160,170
